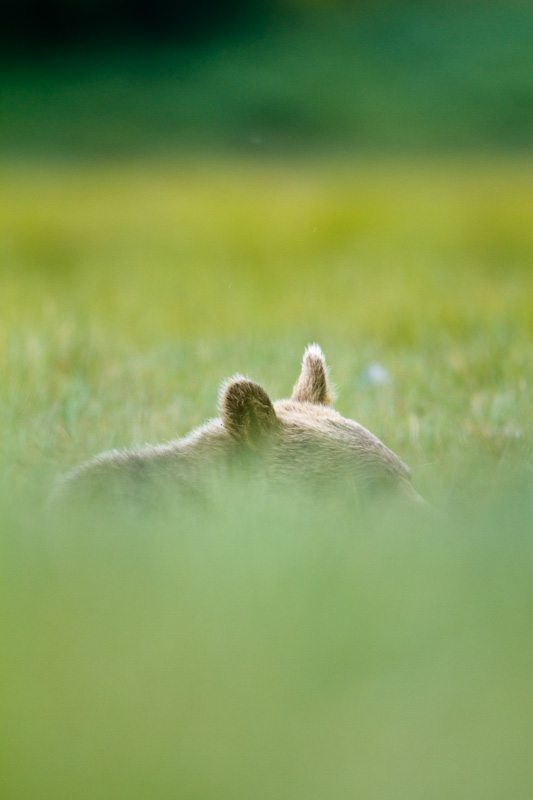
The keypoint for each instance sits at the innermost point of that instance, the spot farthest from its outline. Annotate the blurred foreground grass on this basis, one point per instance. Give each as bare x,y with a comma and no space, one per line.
260,649
273,652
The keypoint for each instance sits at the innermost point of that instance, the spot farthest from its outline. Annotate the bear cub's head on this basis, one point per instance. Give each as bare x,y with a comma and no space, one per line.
305,438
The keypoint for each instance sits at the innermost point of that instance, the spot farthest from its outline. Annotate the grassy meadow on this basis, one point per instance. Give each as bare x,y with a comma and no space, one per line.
265,647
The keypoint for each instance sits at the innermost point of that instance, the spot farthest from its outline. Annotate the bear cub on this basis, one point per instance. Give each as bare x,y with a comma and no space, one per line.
302,440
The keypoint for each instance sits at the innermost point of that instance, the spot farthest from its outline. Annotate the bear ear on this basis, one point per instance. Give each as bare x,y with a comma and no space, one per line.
247,411
312,385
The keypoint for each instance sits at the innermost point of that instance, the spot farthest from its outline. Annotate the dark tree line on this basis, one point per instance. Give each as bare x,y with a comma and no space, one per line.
51,23
41,23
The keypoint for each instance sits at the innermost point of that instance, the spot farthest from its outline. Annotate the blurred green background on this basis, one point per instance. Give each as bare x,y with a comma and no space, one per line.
119,78
188,191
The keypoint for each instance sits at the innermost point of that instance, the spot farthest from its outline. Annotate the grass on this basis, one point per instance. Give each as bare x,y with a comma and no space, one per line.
269,650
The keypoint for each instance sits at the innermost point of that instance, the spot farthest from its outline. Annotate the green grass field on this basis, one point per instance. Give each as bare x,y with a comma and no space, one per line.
264,650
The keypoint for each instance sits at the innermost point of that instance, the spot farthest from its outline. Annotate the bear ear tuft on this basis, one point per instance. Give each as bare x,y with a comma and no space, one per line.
247,411
312,385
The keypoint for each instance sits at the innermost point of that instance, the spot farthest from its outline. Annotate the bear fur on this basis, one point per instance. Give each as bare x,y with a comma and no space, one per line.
302,440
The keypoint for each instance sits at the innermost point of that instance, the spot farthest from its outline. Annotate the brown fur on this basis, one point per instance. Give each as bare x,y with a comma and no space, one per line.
312,385
302,439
